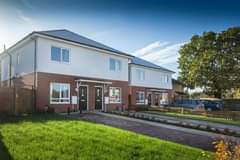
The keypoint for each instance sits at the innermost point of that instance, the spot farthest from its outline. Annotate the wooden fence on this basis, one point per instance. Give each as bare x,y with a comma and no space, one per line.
16,100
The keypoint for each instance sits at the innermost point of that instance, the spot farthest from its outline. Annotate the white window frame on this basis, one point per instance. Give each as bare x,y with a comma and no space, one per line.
140,74
120,90
61,56
141,101
69,93
117,65
18,58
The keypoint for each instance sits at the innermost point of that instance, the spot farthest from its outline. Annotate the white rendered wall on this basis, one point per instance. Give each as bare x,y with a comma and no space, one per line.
154,78
83,62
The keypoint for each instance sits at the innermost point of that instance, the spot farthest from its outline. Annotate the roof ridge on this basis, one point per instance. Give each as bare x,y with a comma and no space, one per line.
54,30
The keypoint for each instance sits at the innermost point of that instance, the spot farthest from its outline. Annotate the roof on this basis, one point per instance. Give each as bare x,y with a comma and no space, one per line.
74,37
142,62
176,81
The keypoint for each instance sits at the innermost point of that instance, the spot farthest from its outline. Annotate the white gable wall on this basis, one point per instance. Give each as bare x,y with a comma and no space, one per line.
154,78
26,61
84,62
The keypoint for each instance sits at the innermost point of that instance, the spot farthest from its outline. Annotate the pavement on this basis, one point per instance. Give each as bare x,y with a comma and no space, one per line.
186,136
196,122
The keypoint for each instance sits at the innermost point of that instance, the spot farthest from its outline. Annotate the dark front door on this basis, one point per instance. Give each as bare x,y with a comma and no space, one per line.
149,99
98,98
83,98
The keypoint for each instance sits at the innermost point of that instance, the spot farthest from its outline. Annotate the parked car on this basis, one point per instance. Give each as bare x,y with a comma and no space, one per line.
190,103
212,105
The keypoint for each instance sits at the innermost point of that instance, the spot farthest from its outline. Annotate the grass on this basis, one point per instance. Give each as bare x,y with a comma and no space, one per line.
198,117
51,137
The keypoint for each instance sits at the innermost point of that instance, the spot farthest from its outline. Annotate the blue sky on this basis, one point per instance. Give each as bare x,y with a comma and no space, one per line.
151,29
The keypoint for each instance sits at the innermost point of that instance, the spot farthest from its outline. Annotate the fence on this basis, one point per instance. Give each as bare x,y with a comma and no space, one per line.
16,100
232,104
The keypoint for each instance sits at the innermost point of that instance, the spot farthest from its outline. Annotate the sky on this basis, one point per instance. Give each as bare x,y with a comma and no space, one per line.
153,29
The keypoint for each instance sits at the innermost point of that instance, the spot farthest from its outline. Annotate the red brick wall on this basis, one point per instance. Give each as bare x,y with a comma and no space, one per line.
132,92
43,91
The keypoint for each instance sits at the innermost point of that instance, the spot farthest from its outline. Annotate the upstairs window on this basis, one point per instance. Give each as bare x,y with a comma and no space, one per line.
115,65
18,58
60,54
140,74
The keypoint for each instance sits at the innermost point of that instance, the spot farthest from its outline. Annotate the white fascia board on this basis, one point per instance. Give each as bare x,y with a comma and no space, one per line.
151,68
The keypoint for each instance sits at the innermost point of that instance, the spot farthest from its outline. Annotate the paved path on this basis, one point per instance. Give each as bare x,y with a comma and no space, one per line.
176,134
198,122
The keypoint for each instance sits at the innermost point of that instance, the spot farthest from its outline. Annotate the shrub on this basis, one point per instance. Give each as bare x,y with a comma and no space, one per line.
227,150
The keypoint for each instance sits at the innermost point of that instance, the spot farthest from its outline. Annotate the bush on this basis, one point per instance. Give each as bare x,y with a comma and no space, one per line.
139,107
227,150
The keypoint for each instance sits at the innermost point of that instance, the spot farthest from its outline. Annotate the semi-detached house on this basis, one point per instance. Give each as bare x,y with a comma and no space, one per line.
71,71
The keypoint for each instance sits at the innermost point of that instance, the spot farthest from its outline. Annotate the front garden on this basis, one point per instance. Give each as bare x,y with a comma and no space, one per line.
49,137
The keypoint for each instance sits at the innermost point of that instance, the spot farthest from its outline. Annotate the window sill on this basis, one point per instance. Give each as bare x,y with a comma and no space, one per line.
59,102
115,102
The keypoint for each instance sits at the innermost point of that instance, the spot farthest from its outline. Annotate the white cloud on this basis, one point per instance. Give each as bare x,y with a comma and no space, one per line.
161,53
150,48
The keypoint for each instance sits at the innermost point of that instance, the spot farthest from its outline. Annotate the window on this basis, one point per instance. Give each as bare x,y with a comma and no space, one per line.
166,79
18,58
115,65
140,74
59,93
140,97
115,95
60,54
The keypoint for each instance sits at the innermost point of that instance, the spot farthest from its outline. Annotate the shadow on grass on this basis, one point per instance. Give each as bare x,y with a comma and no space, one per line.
4,153
34,118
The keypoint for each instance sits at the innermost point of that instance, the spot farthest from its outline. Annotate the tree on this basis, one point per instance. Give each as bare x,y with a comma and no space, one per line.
212,61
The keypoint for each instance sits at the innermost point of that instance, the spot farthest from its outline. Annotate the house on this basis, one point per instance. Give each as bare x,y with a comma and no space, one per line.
177,90
67,70
149,84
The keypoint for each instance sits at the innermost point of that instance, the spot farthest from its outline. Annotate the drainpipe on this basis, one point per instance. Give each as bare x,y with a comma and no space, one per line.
35,75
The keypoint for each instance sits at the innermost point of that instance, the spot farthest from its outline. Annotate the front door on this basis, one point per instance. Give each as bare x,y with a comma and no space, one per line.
98,98
149,99
83,98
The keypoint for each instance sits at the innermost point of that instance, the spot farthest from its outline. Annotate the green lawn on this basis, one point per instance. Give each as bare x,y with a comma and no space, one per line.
197,117
51,137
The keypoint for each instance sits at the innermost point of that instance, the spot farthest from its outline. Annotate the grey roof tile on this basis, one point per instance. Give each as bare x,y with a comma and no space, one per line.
142,62
74,37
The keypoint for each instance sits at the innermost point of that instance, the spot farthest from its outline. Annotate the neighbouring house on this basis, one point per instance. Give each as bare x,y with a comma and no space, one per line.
71,71
149,84
177,90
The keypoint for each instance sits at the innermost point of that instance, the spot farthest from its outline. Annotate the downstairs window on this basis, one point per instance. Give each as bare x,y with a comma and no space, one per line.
140,97
59,93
